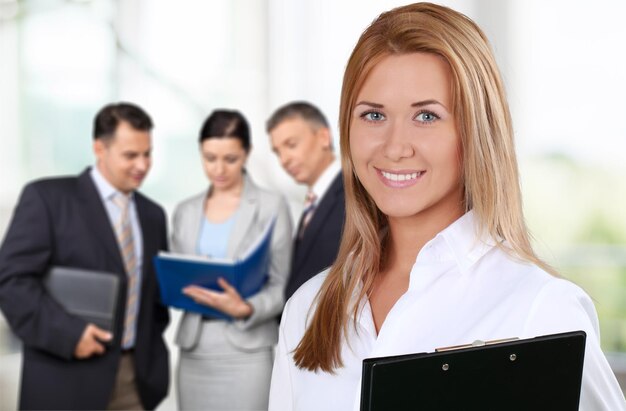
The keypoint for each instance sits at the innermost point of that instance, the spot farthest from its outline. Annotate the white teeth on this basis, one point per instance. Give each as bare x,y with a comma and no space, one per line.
400,177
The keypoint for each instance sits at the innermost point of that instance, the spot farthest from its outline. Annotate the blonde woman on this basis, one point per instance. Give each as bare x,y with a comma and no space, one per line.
435,251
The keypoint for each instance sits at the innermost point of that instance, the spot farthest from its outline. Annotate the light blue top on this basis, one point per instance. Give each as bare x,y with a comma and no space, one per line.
213,238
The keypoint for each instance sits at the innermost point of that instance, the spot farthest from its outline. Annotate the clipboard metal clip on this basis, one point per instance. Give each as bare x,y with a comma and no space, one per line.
476,343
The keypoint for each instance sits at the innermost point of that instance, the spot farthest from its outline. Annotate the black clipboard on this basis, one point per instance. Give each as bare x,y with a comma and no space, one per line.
541,373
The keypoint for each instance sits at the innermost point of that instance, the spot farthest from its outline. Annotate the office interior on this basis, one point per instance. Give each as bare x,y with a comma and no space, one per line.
563,63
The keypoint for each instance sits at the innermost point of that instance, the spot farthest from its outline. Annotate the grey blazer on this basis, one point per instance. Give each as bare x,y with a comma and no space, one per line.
256,209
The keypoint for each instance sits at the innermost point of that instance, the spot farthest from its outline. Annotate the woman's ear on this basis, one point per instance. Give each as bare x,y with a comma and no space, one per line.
245,162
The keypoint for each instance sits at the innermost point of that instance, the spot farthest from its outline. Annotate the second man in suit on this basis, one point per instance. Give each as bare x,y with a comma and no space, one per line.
301,138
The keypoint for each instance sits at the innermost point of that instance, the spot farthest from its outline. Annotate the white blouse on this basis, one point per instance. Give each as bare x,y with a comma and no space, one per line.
460,290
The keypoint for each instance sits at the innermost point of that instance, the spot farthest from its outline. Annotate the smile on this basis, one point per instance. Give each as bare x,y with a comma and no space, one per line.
400,179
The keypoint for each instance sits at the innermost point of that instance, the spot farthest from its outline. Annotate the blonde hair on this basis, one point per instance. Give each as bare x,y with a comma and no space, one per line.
490,173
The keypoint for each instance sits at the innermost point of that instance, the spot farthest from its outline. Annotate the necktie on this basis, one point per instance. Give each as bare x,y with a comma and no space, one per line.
307,213
124,233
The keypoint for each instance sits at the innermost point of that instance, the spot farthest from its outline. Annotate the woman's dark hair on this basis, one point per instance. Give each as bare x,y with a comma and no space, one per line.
226,123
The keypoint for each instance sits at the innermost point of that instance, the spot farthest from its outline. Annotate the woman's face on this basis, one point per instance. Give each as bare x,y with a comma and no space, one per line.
403,138
223,160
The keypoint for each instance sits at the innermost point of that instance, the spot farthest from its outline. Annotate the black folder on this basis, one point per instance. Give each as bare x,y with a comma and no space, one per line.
541,373
90,295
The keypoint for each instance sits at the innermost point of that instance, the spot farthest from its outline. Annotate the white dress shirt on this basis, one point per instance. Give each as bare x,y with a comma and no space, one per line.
107,192
460,290
325,180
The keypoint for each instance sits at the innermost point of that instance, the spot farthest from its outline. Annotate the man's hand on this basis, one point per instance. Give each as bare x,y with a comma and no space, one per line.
229,301
90,342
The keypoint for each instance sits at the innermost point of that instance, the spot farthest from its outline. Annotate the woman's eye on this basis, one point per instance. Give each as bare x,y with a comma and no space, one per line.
426,117
373,116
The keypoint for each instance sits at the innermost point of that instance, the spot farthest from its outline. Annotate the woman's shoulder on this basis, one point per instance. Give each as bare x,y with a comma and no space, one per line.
308,291
558,305
534,274
191,200
270,203
559,290
530,281
301,306
501,266
263,194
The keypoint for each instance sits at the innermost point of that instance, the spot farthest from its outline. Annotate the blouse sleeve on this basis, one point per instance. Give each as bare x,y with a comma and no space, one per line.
562,306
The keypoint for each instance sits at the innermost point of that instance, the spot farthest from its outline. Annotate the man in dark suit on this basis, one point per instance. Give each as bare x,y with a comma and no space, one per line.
80,222
301,139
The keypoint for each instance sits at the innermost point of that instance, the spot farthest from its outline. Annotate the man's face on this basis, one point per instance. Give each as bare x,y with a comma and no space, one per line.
124,160
303,150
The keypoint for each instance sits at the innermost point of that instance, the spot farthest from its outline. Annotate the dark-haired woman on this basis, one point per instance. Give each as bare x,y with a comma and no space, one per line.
226,364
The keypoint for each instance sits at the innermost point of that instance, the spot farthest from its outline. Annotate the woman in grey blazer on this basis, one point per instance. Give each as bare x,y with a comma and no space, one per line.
227,365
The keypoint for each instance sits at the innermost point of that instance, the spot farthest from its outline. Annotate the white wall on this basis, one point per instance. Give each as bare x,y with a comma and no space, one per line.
563,64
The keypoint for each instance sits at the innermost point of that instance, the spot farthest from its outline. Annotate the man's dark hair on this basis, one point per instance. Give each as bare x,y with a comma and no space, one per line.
110,116
297,109
226,123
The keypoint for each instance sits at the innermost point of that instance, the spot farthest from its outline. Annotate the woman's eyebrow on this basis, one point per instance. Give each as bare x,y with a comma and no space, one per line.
428,102
369,103
416,104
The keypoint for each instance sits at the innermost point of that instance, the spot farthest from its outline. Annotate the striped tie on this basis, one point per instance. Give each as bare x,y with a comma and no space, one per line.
124,233
307,214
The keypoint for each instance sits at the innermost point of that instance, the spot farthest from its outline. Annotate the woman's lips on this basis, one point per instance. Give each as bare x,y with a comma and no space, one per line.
400,178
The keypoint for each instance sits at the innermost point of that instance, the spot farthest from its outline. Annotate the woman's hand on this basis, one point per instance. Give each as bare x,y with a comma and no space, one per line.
228,302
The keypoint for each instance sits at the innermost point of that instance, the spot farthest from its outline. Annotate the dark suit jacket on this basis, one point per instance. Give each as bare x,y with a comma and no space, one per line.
319,245
63,222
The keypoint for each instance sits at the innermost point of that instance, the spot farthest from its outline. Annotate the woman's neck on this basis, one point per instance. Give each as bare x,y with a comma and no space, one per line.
221,204
408,235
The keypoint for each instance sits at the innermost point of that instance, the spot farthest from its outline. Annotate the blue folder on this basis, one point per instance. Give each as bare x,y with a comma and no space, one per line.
247,275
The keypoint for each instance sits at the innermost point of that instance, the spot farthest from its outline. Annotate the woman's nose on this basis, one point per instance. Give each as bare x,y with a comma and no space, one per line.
398,142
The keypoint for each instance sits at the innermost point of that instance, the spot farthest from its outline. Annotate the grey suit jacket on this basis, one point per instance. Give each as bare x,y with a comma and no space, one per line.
256,209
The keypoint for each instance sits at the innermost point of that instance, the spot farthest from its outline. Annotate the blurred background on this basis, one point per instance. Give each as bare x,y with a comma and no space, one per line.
563,61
